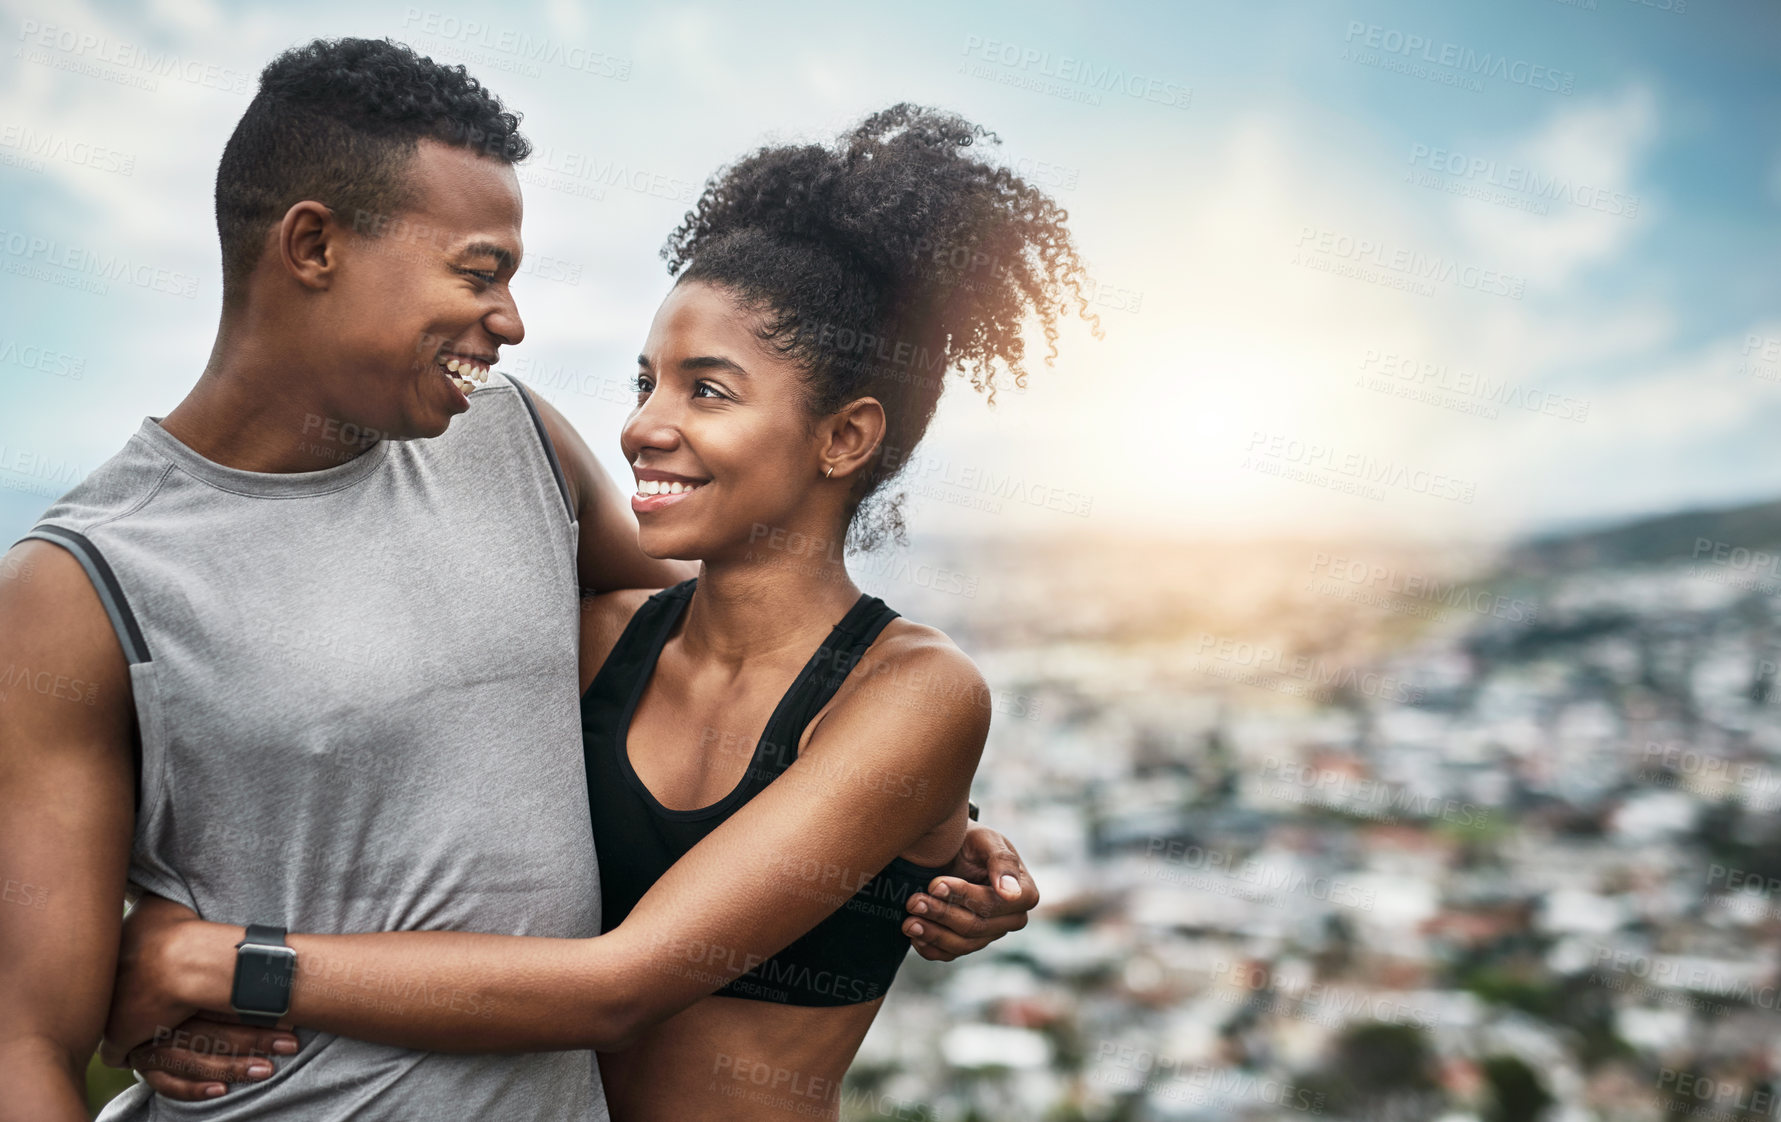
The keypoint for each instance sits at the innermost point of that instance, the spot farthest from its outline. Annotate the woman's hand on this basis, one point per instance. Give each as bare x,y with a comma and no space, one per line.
149,999
201,1057
961,912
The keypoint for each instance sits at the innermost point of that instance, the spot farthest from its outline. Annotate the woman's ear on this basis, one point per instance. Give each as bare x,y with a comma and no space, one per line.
850,437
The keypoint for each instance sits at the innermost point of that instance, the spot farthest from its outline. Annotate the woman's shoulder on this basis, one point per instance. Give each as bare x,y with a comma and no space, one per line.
914,664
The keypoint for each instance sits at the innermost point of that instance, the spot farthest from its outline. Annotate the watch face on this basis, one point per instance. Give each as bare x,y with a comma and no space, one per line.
263,979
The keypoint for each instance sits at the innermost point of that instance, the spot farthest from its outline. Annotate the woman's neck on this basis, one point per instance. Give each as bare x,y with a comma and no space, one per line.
765,603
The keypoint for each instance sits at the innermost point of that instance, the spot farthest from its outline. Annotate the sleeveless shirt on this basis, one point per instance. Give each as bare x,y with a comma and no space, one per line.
356,690
853,954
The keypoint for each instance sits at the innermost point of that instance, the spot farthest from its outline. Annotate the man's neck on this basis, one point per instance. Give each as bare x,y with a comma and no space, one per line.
238,417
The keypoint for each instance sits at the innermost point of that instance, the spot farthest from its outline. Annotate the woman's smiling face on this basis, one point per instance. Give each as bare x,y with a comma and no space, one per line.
721,443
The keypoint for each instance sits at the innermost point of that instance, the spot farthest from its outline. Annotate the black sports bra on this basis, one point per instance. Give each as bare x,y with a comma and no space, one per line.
848,958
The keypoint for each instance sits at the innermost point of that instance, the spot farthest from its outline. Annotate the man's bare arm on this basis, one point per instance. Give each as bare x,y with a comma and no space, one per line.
609,557
66,814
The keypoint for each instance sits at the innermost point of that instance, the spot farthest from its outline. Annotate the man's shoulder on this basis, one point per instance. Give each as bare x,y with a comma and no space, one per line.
59,640
120,485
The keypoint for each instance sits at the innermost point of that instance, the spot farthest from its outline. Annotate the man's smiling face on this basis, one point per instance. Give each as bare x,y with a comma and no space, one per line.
421,290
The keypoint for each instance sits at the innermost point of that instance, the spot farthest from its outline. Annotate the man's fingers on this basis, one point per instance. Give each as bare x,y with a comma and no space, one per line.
931,952
938,943
980,900
182,1090
958,913
1008,873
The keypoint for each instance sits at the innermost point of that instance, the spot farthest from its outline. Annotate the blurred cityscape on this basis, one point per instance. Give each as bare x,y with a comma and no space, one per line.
1364,832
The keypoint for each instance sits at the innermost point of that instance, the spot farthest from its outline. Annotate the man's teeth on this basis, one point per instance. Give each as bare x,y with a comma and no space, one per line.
465,373
661,487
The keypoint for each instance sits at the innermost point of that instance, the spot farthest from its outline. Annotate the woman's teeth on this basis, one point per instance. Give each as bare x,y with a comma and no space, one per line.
465,373
661,487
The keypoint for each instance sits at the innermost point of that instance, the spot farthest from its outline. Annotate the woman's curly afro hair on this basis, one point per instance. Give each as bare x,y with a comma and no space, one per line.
879,263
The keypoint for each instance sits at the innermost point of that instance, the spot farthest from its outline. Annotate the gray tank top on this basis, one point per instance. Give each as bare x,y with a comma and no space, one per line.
357,694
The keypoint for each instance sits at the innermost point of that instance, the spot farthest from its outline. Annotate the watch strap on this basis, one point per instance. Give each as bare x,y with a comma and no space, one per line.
264,934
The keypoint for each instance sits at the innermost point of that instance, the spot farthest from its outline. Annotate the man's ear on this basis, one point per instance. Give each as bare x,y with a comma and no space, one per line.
850,437
307,243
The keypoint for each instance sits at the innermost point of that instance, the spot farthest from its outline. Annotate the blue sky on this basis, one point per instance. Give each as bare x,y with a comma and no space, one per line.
1363,267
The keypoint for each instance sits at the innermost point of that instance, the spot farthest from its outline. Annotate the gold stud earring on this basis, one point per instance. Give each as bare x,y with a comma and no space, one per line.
830,474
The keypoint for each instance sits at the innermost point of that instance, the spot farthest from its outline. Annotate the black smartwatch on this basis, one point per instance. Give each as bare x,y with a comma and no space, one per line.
263,969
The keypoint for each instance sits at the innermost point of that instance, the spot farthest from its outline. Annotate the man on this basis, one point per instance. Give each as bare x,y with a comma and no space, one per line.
316,641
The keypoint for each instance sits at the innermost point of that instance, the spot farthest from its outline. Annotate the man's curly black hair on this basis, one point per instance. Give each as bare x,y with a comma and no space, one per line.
881,262
337,120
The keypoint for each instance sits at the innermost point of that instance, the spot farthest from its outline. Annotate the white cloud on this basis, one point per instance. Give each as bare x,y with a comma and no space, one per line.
1591,148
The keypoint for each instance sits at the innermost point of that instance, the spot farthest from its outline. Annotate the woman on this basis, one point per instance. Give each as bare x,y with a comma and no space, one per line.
762,812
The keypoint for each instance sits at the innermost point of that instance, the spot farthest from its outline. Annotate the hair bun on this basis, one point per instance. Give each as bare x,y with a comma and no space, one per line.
897,231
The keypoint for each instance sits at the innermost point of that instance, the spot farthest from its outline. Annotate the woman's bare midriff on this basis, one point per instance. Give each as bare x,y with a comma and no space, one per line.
727,1058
